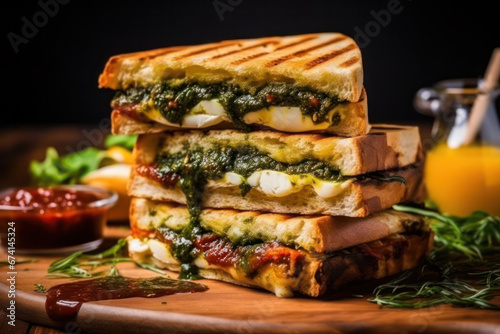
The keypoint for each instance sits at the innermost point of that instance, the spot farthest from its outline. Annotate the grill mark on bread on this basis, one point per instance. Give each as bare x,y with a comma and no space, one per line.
162,53
122,71
245,49
303,52
204,50
350,62
284,46
143,55
245,59
329,56
289,45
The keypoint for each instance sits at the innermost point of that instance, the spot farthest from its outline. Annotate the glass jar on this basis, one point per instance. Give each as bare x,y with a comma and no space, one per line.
461,178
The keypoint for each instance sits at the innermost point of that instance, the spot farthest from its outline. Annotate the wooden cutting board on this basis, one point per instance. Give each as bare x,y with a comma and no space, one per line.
232,309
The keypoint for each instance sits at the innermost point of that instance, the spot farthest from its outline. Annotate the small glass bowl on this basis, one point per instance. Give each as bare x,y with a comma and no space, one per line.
49,229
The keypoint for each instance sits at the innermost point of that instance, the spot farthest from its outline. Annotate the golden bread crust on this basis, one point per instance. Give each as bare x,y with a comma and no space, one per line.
312,233
385,147
327,62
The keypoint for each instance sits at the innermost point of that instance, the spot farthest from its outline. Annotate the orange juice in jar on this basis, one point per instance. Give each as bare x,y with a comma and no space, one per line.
461,179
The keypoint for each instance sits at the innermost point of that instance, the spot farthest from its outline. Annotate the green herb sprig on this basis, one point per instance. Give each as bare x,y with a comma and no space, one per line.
467,284
463,269
472,236
74,264
39,288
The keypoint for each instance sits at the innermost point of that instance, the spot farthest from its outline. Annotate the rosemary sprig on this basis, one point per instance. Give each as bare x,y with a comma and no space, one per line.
473,236
72,266
150,267
39,288
454,285
113,271
463,269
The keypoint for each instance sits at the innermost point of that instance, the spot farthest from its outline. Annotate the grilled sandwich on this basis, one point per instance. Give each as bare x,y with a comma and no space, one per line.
285,254
291,210
282,173
305,83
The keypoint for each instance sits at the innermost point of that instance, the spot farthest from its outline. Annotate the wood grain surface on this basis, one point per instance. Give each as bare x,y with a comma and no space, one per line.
232,309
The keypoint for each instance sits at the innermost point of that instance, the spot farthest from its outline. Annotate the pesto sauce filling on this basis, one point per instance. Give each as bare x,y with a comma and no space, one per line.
248,246
215,162
186,252
174,101
196,167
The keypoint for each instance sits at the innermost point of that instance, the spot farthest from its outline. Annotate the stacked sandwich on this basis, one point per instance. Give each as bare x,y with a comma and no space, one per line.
256,165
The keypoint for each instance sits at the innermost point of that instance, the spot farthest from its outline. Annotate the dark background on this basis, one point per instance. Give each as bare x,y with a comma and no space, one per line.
53,78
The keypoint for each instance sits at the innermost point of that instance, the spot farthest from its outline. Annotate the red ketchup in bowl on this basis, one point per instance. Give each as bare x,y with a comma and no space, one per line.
53,219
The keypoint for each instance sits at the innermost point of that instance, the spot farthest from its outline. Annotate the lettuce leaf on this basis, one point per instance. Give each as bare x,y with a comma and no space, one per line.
125,141
68,169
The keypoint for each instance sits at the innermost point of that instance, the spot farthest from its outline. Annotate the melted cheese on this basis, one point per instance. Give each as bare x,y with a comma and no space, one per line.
203,115
279,184
138,247
288,119
269,277
211,107
211,112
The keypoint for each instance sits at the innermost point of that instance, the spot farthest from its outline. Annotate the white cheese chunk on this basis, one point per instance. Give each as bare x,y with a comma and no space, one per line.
203,115
210,107
138,247
279,184
327,189
233,178
272,183
288,119
161,252
201,121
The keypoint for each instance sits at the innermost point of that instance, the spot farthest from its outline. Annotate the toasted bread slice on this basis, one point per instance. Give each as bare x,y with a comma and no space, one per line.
358,249
357,199
326,62
385,147
392,148
312,233
320,277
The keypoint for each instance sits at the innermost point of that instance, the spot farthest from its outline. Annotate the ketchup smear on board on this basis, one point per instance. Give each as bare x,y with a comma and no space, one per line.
65,300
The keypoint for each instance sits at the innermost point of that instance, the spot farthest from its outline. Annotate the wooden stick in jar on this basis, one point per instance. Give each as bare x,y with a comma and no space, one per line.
480,105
